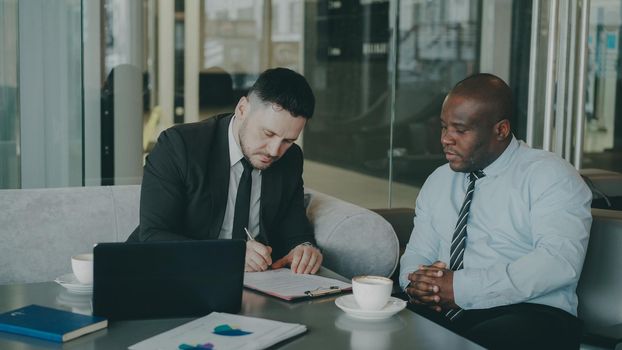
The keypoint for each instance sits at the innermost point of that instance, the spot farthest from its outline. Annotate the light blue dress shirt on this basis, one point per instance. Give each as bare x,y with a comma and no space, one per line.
527,230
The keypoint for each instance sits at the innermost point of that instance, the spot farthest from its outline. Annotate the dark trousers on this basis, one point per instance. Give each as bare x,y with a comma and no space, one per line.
519,326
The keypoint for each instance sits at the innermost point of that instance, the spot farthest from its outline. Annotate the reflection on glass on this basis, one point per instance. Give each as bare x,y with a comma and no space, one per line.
125,94
438,46
231,53
9,113
50,89
603,103
346,61
342,47
366,334
79,303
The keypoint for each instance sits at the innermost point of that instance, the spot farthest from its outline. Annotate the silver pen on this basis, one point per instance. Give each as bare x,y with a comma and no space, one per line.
250,238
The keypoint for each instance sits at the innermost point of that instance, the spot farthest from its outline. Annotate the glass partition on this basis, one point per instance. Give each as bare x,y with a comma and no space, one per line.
125,91
438,46
347,65
50,93
9,96
603,103
374,138
234,43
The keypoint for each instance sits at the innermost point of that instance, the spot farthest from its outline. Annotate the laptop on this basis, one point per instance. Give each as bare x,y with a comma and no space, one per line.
167,279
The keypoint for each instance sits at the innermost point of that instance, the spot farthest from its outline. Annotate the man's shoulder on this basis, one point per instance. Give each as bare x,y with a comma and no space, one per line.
198,133
212,123
441,177
441,174
542,170
542,162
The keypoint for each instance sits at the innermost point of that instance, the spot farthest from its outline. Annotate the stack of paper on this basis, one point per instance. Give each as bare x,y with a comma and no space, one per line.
223,331
285,284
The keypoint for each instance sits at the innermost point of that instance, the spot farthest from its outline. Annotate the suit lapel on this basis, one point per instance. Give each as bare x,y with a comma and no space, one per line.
219,178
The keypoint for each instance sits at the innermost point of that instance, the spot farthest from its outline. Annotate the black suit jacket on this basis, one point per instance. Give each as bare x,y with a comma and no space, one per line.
186,182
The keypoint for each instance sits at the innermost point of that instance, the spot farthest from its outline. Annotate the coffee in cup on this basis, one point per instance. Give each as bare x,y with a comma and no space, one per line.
82,266
371,292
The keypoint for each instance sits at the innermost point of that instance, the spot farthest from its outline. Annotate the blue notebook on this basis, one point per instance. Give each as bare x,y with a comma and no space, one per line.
51,324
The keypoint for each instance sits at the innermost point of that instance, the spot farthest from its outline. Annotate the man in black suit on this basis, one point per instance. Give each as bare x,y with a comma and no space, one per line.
196,174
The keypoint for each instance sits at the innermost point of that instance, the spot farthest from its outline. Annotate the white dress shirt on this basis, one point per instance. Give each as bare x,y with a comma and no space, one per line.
235,173
527,230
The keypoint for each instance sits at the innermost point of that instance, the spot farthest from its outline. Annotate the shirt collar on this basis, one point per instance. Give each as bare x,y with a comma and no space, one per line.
503,160
235,152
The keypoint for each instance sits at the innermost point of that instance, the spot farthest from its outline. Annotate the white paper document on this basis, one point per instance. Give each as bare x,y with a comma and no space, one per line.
240,332
285,284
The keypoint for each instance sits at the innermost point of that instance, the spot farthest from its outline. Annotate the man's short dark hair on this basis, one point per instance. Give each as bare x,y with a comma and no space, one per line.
287,89
489,89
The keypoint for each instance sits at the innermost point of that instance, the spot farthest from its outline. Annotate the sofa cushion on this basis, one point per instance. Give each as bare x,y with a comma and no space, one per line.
354,240
600,285
40,229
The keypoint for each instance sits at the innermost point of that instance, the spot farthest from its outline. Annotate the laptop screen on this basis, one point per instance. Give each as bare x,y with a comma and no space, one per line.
167,279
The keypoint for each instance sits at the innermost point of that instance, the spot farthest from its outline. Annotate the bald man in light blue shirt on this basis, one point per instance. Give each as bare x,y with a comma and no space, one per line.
525,230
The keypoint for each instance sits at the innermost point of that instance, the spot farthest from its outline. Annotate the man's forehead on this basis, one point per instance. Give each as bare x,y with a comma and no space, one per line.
463,110
282,123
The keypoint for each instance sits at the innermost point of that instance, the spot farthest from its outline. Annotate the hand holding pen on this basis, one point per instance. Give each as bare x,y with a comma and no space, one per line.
248,234
258,256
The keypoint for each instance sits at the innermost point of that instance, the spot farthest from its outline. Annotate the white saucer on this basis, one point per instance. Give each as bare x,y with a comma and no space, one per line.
71,283
348,304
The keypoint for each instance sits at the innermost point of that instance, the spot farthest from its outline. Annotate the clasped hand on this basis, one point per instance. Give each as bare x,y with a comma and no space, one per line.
432,285
301,259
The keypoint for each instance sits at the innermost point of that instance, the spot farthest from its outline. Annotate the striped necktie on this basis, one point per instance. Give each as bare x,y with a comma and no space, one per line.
458,242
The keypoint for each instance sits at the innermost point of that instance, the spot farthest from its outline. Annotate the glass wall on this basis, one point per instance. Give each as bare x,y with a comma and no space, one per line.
9,93
375,131
579,119
438,45
125,90
234,43
374,139
603,107
49,67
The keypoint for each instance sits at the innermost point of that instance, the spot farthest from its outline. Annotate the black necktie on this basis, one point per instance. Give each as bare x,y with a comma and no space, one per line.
242,202
458,241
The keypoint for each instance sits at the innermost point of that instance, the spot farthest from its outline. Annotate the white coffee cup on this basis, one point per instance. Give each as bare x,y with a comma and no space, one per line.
82,266
371,292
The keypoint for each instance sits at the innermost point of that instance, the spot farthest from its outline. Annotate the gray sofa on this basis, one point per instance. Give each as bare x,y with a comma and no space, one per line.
600,286
40,229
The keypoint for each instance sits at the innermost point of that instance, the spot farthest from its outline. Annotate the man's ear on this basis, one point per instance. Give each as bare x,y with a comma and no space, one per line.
502,129
242,108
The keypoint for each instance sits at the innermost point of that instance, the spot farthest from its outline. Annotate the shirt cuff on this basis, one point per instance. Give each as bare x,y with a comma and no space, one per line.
309,244
480,288
461,290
